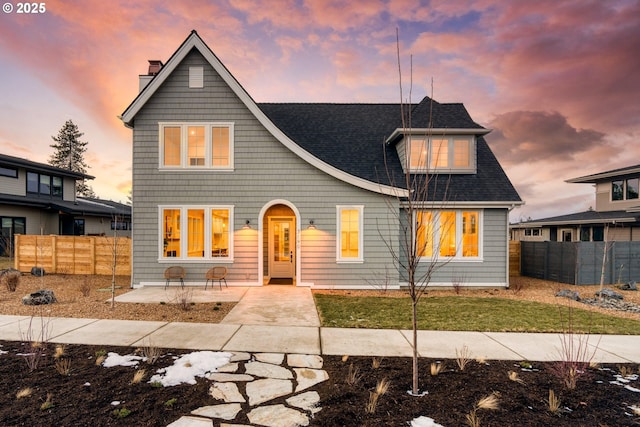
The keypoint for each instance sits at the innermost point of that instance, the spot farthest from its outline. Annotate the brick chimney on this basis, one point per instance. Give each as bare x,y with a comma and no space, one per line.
155,66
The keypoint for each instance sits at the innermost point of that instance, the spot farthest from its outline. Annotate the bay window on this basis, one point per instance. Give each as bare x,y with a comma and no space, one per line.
448,234
196,232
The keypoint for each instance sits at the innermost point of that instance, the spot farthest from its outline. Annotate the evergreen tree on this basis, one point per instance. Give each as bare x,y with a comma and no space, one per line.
69,154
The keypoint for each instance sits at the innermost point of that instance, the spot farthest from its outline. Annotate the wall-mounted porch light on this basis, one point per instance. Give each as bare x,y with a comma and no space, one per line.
247,225
312,225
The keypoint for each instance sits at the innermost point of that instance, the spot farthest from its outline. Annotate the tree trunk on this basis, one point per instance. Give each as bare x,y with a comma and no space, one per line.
414,322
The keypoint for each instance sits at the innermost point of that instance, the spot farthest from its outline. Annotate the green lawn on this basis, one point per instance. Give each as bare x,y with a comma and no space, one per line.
456,313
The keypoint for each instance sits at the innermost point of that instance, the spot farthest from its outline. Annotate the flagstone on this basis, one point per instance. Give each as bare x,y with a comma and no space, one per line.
277,416
273,358
267,370
261,391
309,377
304,361
224,411
227,392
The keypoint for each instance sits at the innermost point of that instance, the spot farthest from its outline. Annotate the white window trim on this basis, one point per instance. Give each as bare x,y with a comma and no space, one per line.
458,257
450,153
360,258
184,158
208,258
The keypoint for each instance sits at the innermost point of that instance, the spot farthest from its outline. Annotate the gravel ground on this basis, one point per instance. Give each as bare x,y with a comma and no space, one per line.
89,297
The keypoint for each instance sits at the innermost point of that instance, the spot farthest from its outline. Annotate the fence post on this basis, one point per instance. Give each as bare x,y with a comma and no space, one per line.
16,251
54,255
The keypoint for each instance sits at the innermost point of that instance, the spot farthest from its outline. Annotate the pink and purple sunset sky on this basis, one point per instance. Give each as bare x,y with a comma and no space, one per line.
557,81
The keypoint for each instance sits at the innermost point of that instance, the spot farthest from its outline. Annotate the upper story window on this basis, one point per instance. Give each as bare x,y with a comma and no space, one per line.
196,146
44,184
7,171
450,153
625,189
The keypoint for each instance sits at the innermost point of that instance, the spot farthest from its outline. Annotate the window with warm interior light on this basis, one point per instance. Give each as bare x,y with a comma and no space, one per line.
349,236
448,234
196,232
451,153
196,146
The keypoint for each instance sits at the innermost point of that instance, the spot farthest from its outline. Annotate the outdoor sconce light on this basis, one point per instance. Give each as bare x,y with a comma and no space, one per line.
311,225
247,225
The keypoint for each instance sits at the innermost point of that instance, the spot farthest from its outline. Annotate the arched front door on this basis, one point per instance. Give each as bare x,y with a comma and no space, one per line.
279,239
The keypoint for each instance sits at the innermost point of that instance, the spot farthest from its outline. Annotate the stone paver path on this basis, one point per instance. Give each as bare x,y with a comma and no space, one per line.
251,381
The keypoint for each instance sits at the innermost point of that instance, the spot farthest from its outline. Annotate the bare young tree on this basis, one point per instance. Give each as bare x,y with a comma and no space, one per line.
417,207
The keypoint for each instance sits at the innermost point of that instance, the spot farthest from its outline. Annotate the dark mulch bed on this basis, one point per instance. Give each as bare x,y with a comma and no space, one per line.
85,396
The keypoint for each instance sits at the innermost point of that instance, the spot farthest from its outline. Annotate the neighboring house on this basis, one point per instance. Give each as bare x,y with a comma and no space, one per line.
617,213
302,193
36,198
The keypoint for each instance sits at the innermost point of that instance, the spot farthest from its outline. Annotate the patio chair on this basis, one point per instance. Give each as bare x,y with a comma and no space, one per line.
216,273
174,273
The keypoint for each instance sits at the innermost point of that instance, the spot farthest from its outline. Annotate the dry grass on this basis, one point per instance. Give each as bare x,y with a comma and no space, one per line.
353,375
24,392
63,366
138,376
489,402
463,357
376,362
70,289
59,351
553,402
436,368
381,388
513,376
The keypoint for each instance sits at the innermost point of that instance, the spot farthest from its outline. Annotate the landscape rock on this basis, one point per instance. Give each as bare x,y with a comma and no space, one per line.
267,370
307,401
609,293
227,392
629,286
191,422
304,361
309,377
40,297
268,389
223,412
273,358
277,416
566,293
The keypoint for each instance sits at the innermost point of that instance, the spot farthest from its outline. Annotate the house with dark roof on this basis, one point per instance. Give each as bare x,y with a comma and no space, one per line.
36,198
309,194
616,213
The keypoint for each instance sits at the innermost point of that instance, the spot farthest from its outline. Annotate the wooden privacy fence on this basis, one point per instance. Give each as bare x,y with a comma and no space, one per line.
73,254
514,258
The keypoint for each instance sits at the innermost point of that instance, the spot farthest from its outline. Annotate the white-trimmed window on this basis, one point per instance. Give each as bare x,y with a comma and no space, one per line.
196,146
450,153
449,234
349,241
196,232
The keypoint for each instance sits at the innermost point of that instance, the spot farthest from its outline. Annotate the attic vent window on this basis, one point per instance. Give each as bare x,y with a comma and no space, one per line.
196,77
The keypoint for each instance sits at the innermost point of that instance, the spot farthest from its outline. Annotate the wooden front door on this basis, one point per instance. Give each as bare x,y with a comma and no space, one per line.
282,250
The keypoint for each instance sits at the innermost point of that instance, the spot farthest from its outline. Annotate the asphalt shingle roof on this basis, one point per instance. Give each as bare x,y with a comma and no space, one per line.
351,137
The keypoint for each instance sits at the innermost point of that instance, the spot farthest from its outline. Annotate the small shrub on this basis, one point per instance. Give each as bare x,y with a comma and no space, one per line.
151,353
184,297
11,279
169,403
24,392
121,413
156,384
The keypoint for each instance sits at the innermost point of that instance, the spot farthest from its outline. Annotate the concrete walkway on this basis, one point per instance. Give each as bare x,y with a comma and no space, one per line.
283,319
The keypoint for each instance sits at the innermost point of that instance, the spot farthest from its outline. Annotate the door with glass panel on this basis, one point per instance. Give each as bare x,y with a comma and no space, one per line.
282,247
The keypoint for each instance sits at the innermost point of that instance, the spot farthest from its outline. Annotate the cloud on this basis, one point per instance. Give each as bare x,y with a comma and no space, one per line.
529,136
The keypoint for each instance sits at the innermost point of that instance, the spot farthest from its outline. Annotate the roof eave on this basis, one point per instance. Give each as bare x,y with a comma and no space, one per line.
400,132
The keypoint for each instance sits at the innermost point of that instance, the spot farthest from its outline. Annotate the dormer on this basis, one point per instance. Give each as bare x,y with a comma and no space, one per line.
448,151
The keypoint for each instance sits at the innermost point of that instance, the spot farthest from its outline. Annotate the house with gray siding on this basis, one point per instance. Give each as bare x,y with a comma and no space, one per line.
616,216
308,194
37,198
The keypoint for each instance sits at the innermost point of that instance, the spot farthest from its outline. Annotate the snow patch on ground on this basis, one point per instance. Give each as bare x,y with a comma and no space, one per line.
424,422
114,359
189,366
